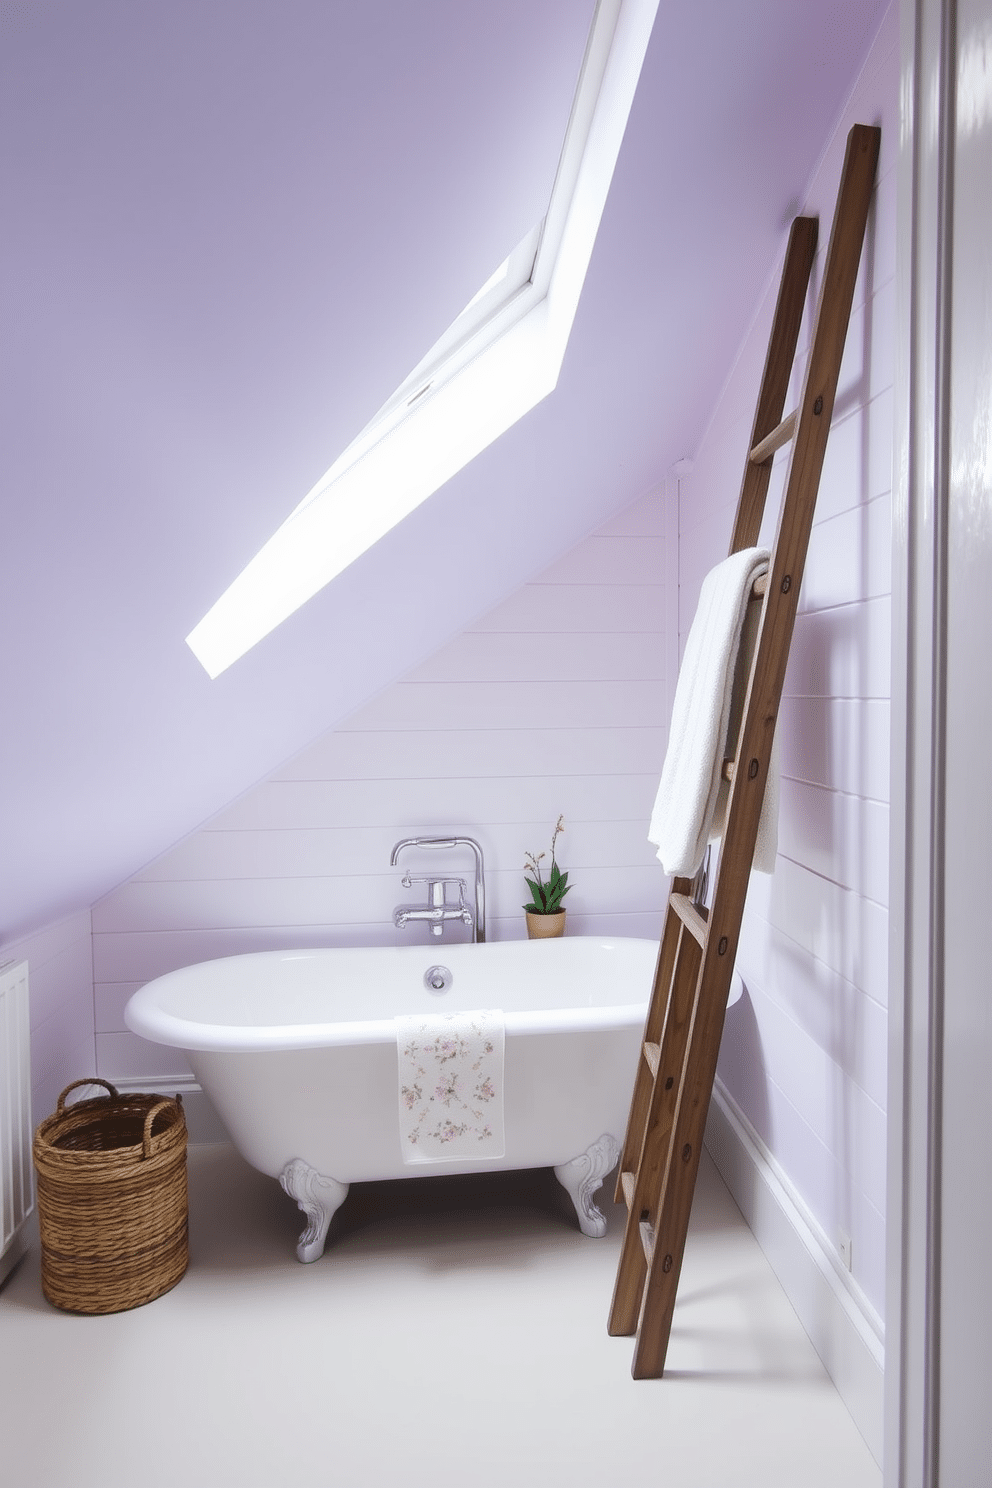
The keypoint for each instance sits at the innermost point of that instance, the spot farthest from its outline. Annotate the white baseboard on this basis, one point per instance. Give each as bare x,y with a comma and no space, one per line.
842,1325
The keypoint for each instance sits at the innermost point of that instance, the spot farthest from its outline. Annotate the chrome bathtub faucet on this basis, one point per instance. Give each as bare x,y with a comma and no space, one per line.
439,908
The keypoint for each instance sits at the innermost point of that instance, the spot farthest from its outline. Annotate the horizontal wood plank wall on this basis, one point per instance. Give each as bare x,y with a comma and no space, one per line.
60,972
804,1053
556,702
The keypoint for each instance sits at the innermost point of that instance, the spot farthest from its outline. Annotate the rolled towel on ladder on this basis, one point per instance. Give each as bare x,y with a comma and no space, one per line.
690,808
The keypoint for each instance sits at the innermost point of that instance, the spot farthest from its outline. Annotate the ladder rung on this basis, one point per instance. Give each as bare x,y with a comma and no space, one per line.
760,586
647,1238
781,434
728,770
627,1181
690,917
652,1055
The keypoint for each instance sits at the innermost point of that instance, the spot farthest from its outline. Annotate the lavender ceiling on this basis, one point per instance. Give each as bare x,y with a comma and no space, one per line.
230,230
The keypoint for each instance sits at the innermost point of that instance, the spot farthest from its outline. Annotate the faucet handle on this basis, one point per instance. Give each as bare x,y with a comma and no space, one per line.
409,879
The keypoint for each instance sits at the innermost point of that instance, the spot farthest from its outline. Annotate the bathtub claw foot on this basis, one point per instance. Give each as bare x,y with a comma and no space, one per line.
583,1176
319,1198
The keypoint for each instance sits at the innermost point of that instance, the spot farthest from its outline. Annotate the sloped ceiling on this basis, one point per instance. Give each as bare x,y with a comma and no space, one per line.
230,230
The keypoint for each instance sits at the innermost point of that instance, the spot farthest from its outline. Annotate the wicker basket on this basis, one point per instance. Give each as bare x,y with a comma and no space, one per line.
112,1200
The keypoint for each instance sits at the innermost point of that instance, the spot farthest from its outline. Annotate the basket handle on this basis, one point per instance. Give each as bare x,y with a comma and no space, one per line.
93,1080
163,1105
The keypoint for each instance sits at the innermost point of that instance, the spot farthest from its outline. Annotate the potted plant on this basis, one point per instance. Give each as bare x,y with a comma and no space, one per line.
545,915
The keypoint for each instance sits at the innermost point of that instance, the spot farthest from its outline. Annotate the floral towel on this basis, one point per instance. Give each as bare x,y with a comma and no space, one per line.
451,1086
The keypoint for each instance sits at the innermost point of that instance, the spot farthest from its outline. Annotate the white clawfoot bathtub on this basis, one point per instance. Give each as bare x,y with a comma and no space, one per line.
297,1050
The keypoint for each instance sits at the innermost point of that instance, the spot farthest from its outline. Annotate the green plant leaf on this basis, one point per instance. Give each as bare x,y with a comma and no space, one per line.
537,894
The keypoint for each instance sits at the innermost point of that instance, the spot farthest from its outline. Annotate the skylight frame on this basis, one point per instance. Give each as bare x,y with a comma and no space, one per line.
495,362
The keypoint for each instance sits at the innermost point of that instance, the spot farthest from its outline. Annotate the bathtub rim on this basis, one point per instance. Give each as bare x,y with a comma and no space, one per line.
144,1015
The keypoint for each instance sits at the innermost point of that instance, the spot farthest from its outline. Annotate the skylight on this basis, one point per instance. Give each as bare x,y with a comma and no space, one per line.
499,358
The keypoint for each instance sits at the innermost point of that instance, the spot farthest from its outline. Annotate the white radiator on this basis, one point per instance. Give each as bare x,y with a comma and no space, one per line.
16,1171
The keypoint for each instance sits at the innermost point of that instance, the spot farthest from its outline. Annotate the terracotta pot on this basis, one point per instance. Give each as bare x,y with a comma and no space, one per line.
545,926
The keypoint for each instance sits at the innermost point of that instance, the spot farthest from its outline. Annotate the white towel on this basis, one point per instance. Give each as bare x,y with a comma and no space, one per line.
690,809
451,1086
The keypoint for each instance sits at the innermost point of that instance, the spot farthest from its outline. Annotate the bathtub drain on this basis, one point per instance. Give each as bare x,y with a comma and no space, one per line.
437,979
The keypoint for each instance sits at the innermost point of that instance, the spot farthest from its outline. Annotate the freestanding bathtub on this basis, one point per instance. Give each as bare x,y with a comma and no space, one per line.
298,1052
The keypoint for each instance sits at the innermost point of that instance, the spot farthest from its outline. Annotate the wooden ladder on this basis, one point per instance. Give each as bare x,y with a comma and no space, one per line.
698,948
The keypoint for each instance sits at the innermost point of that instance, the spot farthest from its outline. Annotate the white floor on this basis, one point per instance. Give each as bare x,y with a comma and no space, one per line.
452,1334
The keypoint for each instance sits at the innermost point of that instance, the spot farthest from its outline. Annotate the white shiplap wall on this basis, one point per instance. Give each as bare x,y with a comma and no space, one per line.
804,1054
557,701
60,968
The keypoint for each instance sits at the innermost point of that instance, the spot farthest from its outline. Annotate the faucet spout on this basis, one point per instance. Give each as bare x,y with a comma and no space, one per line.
421,842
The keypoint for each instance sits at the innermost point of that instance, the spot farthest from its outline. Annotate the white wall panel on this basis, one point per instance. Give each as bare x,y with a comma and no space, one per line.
133,1058
837,1111
71,1062
858,461
838,836
345,902
295,853
71,1028
522,657
870,345
641,519
835,925
604,703
847,1026
842,652
850,557
830,1191
312,809
139,955
109,1002
559,609
838,742
556,702
632,559
315,805
503,753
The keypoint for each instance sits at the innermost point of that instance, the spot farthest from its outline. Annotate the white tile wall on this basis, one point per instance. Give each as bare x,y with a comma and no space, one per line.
60,964
556,701
804,1055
